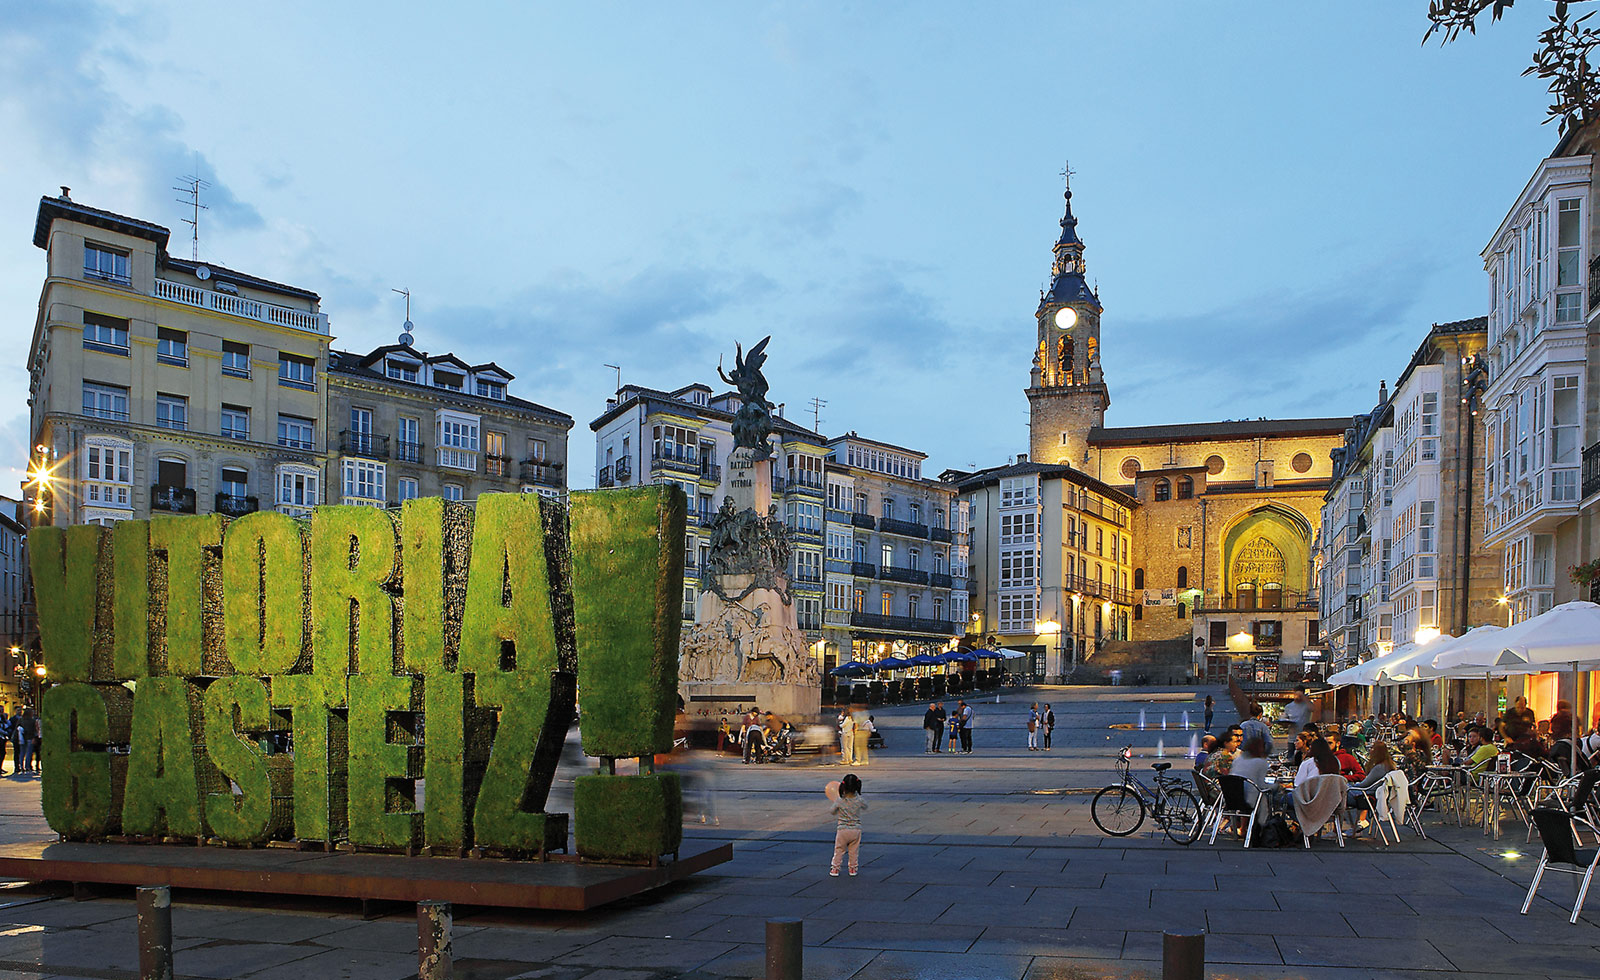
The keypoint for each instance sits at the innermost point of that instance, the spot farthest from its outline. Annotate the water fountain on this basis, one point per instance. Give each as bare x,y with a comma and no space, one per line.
1161,748
1194,745
1141,719
1186,721
1163,722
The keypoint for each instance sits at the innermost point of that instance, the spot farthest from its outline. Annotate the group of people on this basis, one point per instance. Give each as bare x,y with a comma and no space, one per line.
24,732
1041,722
937,722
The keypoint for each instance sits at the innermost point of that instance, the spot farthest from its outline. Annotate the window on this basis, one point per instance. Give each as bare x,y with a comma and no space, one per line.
938,608
915,559
172,346
295,371
1268,633
105,401
235,359
861,503
400,370
888,508
448,379
458,440
105,333
235,483
107,472
537,449
172,411
916,513
491,389
1138,578
1219,635
295,432
1017,569
1185,487
673,442
297,490
1016,528
363,481
1099,540
888,556
838,544
1183,576
860,601
172,473
1564,485
235,422
911,603
405,489
451,491
885,606
1017,492
1163,490
408,448
1568,245
108,264
1569,307
497,463
1017,613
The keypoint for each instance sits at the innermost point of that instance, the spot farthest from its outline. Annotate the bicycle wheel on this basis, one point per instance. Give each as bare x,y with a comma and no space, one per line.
1117,810
1180,814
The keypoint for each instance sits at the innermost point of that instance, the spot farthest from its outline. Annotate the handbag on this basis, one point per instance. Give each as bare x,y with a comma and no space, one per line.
1031,724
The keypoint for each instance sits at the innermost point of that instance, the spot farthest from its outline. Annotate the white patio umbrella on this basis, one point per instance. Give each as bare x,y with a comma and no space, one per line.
1463,656
1367,673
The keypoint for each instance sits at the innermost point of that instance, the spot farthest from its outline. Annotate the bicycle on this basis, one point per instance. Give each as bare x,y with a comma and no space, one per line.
1120,809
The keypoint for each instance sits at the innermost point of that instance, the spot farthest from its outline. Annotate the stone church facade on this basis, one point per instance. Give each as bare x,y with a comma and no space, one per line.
1220,524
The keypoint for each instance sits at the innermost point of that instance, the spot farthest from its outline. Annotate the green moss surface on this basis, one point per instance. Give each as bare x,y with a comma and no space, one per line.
422,576
627,819
448,809
321,750
185,541
261,579
130,591
235,712
353,555
501,818
382,801
506,625
62,563
627,577
167,765
77,791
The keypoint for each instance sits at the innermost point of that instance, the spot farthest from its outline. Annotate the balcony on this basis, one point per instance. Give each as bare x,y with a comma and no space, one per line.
539,472
453,458
171,500
910,529
605,479
805,533
711,472
913,576
678,459
940,534
1591,471
902,624
408,452
352,443
234,505
796,484
940,580
623,468
863,569
1594,282
863,521
496,465
239,306
807,578
1267,601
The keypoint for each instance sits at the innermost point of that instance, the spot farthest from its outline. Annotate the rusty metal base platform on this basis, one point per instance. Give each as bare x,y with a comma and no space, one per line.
557,884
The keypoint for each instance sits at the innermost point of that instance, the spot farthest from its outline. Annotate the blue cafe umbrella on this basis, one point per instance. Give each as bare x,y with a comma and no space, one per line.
892,663
851,667
924,660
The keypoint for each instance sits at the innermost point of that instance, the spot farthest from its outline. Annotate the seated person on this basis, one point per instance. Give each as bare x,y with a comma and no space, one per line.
1481,750
1220,763
1319,760
1349,766
1381,765
1207,746
1430,728
1252,764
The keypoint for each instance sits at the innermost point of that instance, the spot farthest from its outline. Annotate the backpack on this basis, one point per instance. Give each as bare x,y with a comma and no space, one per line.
1276,831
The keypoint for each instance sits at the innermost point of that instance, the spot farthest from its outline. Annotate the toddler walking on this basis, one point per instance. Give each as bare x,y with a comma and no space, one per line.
848,808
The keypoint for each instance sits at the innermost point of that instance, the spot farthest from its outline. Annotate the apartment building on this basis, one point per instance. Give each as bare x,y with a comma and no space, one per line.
896,561
14,602
412,424
1355,541
162,385
684,436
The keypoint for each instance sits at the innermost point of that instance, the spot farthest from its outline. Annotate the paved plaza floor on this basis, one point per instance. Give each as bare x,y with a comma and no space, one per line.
980,866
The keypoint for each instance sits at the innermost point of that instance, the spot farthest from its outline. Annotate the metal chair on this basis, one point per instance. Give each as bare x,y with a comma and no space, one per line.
1334,818
1561,854
1231,802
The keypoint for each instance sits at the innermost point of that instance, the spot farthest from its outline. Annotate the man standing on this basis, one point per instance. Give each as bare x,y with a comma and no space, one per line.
1048,719
749,732
847,738
1255,727
1298,712
932,728
1518,721
964,714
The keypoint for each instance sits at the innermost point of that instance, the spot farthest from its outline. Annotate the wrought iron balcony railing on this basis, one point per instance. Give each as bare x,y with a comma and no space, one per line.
234,505
172,500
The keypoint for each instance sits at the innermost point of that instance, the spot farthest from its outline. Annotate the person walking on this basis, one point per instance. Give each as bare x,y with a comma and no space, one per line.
847,838
847,738
1047,719
1211,710
1033,727
932,728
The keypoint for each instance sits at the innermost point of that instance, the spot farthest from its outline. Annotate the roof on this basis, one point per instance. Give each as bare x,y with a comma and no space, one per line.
1069,287
1069,225
357,365
1217,431
1049,471
1472,325
637,394
51,208
853,436
240,278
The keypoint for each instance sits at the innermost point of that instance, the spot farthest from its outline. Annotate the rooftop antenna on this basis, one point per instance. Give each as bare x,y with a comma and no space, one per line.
190,187
617,368
405,328
817,405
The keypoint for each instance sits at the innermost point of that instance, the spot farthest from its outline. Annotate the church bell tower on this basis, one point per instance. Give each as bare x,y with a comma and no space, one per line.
1067,394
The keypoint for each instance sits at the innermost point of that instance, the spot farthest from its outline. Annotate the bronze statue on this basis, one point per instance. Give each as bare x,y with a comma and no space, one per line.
753,423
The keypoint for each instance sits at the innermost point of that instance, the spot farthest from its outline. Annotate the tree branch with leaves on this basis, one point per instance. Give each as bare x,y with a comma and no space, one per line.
1562,58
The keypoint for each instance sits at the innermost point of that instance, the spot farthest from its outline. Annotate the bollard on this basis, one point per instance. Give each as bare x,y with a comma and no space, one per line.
155,933
434,953
784,952
1183,957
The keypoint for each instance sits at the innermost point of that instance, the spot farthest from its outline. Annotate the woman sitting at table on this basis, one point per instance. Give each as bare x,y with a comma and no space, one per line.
1319,759
1220,762
1380,764
1416,754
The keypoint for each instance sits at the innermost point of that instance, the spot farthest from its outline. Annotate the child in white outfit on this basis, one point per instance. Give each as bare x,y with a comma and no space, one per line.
848,837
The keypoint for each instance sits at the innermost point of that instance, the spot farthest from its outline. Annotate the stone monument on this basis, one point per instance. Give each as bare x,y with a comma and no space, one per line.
746,647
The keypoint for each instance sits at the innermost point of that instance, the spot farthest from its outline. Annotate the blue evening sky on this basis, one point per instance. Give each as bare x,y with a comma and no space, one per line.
1277,198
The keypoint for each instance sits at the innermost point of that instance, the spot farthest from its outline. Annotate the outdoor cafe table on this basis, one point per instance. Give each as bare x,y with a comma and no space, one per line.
1457,775
1496,785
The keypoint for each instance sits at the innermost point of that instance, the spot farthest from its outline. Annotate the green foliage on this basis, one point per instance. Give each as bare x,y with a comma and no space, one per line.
130,599
167,762
261,568
627,583
1562,58
507,625
184,541
321,751
627,819
79,793
235,709
448,809
353,551
382,773
501,818
422,572
62,562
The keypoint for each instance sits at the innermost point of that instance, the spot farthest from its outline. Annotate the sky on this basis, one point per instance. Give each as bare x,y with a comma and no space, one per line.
1277,199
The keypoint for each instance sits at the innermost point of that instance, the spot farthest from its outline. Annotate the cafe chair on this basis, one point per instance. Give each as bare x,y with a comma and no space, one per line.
1231,803
1319,802
1557,830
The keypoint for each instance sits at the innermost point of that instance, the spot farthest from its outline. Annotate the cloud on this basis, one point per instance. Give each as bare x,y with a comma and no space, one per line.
817,214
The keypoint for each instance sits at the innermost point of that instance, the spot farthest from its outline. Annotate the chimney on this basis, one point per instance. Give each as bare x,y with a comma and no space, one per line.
1022,457
780,410
1383,392
66,193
